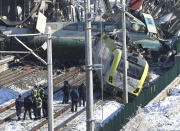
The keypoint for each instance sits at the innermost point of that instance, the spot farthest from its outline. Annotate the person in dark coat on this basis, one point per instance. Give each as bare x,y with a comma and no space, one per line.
27,107
74,99
66,89
45,106
19,105
82,94
34,107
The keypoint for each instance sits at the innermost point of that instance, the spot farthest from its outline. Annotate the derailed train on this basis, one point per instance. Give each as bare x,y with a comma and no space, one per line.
63,35
68,38
105,51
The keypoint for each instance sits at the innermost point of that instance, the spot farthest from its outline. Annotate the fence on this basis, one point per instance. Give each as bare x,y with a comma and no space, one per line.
146,96
178,46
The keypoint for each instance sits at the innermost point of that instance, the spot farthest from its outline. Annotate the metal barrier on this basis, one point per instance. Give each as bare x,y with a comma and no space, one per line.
178,47
118,121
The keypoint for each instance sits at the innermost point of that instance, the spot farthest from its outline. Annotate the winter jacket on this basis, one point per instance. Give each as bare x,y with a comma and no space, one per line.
19,103
34,92
41,92
66,89
74,95
82,91
39,102
27,103
44,102
34,101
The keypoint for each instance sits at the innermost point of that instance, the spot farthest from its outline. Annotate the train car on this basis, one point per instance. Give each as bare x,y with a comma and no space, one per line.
68,38
111,56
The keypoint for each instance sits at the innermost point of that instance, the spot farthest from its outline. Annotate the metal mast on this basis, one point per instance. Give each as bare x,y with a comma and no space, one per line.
50,82
89,66
125,93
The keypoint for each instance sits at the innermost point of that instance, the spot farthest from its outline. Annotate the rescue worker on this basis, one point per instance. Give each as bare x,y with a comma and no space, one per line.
82,94
45,106
19,105
27,107
74,99
34,92
41,91
34,107
66,89
39,106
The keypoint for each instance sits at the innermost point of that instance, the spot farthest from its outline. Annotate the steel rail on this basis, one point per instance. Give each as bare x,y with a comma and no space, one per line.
17,77
9,73
64,123
62,110
55,82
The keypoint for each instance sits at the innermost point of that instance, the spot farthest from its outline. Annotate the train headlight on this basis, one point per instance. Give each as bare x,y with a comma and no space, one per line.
110,79
136,27
136,91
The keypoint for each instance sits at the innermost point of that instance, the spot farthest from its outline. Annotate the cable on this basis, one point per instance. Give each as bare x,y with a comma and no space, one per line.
26,55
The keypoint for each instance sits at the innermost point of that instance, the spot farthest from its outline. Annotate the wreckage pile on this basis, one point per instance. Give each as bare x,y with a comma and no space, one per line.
153,29
153,26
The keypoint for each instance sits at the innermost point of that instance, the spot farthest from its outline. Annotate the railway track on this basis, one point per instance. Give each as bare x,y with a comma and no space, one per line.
55,82
64,109
27,71
14,75
9,73
63,116
72,117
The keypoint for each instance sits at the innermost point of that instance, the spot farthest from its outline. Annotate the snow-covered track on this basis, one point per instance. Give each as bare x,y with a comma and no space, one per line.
56,81
60,112
9,72
12,76
72,117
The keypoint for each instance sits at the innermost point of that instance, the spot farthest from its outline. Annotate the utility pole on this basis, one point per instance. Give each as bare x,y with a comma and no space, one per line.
125,93
50,82
89,67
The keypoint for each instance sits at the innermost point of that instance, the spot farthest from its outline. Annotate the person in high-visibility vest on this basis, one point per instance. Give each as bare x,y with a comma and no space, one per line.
34,92
39,106
41,91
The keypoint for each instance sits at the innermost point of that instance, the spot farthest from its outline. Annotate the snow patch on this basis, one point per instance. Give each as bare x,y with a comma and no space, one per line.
7,94
163,115
16,127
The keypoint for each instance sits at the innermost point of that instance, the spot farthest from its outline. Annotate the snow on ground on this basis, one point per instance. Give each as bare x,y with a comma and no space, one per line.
25,125
23,86
164,115
9,94
160,116
109,109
